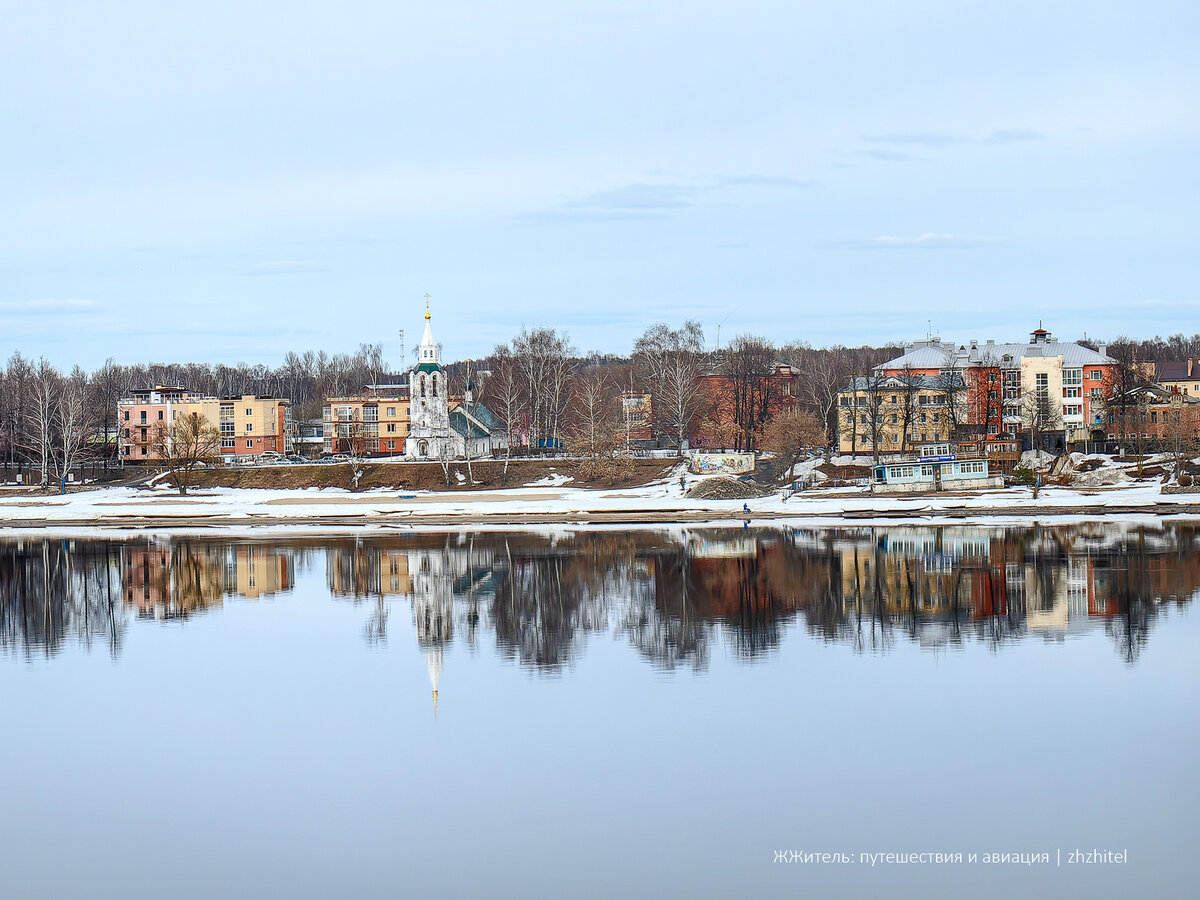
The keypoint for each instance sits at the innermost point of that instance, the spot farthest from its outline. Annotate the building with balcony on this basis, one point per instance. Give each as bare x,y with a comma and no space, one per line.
1045,386
376,423
249,425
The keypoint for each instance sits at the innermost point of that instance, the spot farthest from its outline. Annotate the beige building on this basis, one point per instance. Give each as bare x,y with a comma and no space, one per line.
897,412
1180,377
375,423
249,425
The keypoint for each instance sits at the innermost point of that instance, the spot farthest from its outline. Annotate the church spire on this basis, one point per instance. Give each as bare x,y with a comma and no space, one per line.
429,349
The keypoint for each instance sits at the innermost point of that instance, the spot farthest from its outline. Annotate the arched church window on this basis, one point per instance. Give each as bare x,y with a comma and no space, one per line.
434,377
422,385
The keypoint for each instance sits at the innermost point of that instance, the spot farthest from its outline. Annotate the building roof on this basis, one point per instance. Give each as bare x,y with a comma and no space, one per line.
483,415
1156,394
466,426
898,382
938,354
1177,370
428,367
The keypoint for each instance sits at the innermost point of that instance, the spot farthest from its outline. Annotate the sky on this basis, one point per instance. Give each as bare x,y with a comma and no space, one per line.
230,181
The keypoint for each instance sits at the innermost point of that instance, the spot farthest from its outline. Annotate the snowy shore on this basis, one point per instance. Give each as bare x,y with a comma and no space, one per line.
538,504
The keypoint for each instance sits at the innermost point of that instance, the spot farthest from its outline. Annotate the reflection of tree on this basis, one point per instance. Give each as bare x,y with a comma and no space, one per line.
545,605
1133,596
52,592
669,633
669,596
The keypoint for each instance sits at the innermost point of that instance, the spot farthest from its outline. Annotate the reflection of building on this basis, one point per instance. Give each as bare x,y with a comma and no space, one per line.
173,579
260,571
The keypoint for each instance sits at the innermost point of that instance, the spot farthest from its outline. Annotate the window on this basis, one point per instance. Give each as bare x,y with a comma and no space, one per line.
1072,377
227,442
1042,380
391,445
143,422
924,418
160,415
143,451
1097,393
249,428
1072,410
126,415
895,418
249,445
391,411
391,427
895,438
927,471
1095,374
1070,392
249,412
937,417
1154,416
992,395
991,379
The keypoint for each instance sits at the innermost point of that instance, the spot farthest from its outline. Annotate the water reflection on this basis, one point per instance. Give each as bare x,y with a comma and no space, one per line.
536,599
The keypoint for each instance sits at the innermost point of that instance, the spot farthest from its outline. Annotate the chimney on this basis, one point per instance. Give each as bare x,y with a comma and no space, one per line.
974,344
1102,349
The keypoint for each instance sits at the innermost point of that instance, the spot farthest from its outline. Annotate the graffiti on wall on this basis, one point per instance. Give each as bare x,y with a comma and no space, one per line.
722,463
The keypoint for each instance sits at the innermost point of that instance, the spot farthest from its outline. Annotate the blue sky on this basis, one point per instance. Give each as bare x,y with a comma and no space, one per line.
230,181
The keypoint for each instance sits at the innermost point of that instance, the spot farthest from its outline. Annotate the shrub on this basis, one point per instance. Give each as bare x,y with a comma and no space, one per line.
1023,475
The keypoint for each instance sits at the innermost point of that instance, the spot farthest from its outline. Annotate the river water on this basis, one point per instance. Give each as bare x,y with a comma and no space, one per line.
596,713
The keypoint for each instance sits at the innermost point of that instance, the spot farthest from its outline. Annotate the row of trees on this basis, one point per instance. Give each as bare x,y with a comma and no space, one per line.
549,395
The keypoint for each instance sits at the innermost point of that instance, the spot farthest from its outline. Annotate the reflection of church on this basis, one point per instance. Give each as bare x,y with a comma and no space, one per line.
434,578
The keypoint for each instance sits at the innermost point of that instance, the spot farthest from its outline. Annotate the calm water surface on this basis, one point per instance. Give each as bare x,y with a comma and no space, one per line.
601,713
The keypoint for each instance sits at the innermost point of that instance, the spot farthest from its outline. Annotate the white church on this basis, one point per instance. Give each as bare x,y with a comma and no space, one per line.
439,429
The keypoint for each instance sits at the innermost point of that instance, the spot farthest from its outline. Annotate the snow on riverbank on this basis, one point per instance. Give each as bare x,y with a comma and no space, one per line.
113,506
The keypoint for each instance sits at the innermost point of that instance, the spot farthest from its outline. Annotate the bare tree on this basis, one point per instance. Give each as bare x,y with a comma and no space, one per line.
670,360
594,429
38,431
71,423
1042,415
507,397
789,433
1181,432
186,445
544,359
749,368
